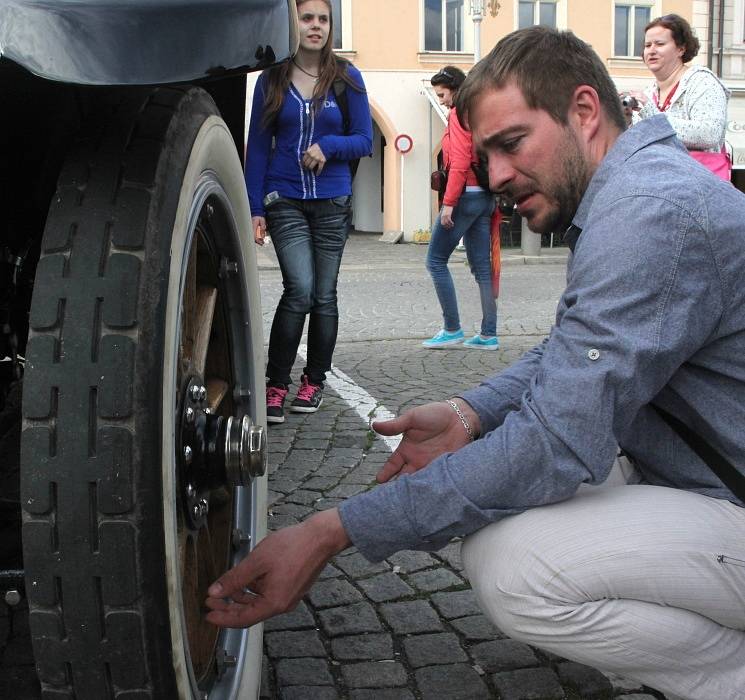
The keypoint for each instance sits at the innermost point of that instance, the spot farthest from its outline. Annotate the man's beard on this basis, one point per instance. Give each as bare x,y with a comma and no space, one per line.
568,184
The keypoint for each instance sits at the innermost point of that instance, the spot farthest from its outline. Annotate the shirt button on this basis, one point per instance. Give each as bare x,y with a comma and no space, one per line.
593,354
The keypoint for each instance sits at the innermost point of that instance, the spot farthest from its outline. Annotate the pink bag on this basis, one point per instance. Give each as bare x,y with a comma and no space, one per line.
718,163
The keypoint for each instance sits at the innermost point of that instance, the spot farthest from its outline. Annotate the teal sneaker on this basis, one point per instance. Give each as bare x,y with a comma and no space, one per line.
444,338
482,342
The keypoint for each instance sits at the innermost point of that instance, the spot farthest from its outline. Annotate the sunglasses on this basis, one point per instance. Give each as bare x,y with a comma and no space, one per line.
445,74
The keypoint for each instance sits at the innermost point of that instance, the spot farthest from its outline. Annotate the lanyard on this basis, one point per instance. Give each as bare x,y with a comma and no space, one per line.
669,97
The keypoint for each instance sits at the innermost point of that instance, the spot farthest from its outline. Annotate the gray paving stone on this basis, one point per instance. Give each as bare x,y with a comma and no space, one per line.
333,593
350,619
451,554
356,566
456,604
311,444
277,522
382,694
290,645
503,655
374,674
637,696
267,679
299,618
385,587
329,571
320,483
306,671
326,503
293,509
476,628
301,692
528,684
454,682
368,647
411,617
433,649
346,490
587,681
306,498
412,561
434,580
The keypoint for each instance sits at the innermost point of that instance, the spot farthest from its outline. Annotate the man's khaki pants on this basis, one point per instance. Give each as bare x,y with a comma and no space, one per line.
643,581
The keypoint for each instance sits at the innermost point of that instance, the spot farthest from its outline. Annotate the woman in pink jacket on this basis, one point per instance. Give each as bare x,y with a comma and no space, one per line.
466,213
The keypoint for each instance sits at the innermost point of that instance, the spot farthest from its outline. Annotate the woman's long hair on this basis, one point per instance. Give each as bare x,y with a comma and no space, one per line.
332,68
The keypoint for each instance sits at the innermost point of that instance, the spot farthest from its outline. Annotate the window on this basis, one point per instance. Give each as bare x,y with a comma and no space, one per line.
531,12
443,25
336,13
630,20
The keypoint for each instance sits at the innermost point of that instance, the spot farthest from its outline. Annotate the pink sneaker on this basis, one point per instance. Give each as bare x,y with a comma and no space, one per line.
275,401
309,397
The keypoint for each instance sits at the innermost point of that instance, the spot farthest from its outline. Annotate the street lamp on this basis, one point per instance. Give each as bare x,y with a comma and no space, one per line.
476,10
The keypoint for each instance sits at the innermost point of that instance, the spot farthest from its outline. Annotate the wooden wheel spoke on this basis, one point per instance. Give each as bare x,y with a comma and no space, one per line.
216,391
188,329
204,312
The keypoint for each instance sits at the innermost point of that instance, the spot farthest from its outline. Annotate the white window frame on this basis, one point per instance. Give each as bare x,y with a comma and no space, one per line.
466,39
738,29
561,12
346,26
654,11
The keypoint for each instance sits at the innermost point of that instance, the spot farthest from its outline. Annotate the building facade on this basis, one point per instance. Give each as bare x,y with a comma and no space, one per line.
399,44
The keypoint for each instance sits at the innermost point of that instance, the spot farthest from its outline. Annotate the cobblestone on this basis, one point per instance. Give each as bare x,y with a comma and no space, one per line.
350,619
411,617
432,649
385,587
374,647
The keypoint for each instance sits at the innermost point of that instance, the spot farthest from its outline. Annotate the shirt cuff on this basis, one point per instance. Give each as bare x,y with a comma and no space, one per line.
377,523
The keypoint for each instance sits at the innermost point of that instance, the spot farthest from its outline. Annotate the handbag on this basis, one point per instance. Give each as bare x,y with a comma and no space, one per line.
438,181
718,163
727,473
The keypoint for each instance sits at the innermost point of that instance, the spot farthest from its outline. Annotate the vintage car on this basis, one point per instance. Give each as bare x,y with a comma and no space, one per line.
131,370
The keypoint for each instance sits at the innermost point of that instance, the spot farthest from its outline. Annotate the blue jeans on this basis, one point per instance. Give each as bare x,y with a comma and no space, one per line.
472,218
309,238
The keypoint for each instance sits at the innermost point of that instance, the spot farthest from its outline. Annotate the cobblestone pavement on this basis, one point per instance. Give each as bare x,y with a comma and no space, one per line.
408,627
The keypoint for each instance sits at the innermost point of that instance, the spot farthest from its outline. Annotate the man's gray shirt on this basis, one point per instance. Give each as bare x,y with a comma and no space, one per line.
653,311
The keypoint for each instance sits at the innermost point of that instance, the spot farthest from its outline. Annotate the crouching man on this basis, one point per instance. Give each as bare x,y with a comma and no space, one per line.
644,577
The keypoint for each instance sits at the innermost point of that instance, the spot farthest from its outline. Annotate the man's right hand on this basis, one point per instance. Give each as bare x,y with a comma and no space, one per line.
275,575
259,227
428,432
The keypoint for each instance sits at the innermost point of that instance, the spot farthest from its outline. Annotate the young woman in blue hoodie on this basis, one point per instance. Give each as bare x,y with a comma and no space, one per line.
300,188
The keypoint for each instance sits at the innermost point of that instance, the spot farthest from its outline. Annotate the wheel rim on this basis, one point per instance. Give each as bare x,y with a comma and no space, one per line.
210,518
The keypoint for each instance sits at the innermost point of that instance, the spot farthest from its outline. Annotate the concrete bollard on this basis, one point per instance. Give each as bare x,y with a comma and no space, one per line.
530,242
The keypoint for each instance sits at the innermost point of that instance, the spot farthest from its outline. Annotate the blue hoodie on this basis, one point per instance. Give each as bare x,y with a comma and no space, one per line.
296,128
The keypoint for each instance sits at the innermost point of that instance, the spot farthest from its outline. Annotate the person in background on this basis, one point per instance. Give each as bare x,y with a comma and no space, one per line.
692,97
466,213
300,193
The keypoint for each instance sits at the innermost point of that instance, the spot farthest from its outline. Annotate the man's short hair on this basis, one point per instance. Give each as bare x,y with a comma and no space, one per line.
547,65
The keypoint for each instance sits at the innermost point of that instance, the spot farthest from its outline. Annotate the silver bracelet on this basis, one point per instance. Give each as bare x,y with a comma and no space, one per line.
463,419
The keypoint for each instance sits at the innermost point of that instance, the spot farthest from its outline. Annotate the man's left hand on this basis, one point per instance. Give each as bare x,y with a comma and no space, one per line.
314,159
275,576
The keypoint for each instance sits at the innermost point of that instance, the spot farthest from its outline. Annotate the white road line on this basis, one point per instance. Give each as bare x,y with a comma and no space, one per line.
357,398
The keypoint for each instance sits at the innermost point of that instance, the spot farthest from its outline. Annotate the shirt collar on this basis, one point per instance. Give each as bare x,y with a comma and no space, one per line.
634,139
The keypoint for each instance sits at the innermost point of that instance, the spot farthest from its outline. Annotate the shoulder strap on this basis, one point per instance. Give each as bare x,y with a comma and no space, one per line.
340,93
730,477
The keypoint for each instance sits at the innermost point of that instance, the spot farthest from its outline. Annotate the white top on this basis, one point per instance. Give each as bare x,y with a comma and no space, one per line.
697,110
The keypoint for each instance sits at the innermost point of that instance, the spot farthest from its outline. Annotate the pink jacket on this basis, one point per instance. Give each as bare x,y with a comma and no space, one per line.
457,156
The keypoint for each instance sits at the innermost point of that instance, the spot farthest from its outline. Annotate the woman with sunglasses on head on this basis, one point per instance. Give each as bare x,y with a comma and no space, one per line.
466,213
310,118
692,97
